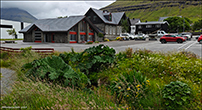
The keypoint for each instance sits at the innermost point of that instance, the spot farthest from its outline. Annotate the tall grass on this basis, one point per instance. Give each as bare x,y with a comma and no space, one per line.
159,68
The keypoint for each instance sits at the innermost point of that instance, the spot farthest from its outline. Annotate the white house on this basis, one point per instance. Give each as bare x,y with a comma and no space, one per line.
8,24
133,25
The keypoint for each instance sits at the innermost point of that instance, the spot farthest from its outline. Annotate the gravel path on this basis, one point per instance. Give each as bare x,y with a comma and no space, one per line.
7,79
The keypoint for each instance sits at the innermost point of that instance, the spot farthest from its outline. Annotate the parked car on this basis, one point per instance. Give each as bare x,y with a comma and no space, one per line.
172,38
200,39
141,36
158,34
197,37
186,35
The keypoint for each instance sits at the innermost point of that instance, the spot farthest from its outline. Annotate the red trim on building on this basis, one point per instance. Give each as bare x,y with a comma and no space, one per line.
72,42
53,41
72,32
91,33
82,33
37,41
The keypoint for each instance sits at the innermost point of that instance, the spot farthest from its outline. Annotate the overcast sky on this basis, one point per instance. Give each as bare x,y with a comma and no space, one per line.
53,9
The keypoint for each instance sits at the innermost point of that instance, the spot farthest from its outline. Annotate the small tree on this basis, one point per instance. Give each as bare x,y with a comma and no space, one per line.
125,25
100,35
12,32
197,25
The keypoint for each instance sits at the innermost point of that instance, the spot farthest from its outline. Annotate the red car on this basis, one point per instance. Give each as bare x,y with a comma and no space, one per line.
171,38
200,39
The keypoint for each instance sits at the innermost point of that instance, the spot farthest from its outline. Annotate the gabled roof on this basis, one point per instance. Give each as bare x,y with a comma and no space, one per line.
55,24
162,18
116,17
152,22
134,21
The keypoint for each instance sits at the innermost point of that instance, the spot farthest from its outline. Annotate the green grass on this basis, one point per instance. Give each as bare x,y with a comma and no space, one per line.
157,10
9,39
159,68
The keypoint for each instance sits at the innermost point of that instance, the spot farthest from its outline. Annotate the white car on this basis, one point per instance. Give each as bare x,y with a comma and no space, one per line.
141,36
127,36
187,36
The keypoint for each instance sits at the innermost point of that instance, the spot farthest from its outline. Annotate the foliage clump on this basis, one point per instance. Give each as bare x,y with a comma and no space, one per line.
56,70
176,95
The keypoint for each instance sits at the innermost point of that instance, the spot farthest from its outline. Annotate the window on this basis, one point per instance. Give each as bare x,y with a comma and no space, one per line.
106,29
148,26
94,18
89,17
114,30
82,26
118,30
90,38
110,30
72,37
110,17
158,25
37,35
139,27
82,37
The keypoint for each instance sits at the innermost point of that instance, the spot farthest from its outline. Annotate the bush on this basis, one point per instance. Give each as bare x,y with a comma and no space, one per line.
56,70
176,95
89,42
106,39
129,86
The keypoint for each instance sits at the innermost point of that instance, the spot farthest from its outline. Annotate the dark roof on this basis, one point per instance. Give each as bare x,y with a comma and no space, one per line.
152,22
55,24
116,17
162,18
134,21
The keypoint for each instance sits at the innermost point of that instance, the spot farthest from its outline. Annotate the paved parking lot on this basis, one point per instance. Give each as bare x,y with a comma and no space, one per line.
119,46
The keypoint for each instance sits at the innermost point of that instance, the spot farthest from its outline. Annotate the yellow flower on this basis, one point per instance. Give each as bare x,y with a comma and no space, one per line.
119,87
127,96
138,85
148,81
128,88
138,89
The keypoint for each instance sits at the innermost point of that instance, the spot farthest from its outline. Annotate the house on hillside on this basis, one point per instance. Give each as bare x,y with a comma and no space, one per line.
133,25
73,29
108,22
151,26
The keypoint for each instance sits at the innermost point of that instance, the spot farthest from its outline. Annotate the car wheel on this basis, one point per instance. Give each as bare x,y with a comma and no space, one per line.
179,41
131,38
163,41
200,42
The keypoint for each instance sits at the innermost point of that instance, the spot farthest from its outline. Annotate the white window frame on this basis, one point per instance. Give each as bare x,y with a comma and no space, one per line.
106,29
149,26
114,30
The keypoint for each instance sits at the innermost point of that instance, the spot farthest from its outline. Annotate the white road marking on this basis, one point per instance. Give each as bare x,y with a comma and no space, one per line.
190,45
184,45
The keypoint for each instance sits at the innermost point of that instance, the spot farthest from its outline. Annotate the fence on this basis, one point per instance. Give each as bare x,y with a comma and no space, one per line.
41,51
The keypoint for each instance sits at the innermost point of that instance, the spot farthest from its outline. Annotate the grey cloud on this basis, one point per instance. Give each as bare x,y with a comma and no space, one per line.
52,9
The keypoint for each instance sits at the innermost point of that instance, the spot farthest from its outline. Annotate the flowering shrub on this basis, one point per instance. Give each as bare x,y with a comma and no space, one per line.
118,38
176,94
106,39
130,86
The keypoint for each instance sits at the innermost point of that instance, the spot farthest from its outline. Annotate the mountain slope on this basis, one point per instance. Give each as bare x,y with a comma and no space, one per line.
152,10
16,14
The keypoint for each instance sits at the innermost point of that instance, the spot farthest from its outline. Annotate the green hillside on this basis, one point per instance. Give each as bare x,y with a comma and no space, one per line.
152,10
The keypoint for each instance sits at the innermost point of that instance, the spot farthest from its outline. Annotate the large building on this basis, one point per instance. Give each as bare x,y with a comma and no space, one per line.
151,26
76,29
108,22
73,29
8,25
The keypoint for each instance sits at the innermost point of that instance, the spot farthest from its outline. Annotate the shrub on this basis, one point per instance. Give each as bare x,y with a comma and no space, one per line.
100,35
176,95
118,38
96,41
106,39
56,70
129,86
89,42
